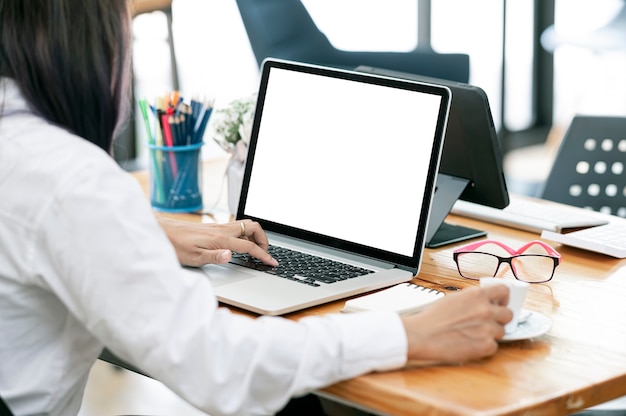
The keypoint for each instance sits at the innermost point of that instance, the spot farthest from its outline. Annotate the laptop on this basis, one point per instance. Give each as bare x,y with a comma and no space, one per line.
341,165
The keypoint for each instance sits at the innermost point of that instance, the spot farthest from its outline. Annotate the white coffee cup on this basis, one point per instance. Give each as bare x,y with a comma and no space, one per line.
517,295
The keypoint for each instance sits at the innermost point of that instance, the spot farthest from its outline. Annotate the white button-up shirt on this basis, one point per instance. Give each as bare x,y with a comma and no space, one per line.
84,264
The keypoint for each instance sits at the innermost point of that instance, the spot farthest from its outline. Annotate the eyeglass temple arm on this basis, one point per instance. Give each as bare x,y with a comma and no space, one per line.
552,252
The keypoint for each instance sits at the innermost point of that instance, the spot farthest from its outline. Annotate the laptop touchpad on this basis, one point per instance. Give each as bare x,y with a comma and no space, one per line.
224,274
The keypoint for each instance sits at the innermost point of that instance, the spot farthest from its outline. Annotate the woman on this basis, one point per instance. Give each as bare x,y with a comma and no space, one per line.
84,264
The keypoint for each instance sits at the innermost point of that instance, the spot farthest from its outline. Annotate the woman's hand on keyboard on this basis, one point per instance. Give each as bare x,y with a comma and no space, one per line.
197,244
460,327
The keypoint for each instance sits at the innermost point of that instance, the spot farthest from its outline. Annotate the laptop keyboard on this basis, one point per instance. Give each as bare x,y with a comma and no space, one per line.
301,267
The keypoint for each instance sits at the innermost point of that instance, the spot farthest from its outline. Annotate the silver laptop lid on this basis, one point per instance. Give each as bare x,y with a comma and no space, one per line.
345,159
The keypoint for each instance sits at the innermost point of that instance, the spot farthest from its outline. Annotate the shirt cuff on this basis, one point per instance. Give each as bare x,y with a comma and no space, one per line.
373,341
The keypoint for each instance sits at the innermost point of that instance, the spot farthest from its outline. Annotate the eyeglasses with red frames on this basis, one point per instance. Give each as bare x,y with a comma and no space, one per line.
534,262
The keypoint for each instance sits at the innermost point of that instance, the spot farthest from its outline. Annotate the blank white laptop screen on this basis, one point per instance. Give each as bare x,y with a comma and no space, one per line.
340,158
341,166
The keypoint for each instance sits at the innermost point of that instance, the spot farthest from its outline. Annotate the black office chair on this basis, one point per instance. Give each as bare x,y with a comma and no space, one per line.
284,29
589,168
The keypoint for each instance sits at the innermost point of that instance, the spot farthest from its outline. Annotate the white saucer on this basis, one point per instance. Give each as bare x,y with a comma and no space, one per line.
535,325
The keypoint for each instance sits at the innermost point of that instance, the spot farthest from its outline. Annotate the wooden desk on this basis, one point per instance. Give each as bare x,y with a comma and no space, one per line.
579,363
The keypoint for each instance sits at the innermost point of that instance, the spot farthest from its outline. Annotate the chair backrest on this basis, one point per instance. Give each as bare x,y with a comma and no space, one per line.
284,29
589,168
281,25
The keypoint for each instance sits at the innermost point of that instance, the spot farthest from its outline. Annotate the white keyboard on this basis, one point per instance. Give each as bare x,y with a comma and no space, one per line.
609,239
532,215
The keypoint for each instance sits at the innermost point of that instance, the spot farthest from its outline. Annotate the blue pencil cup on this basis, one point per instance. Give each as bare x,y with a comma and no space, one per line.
175,178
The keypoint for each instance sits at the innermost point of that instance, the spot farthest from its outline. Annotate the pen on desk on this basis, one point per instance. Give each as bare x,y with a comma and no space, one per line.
182,129
173,129
155,156
175,99
188,124
144,115
165,127
182,134
196,107
158,133
201,124
169,142
179,140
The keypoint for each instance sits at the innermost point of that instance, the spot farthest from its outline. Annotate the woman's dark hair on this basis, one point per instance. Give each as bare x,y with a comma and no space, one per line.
70,59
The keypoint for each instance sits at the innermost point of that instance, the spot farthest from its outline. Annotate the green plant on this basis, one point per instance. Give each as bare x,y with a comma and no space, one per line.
234,123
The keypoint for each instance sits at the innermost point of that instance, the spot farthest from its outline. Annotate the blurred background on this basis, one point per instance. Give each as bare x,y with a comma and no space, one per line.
540,62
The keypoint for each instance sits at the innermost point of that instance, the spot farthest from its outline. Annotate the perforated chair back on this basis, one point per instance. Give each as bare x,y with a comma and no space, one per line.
589,168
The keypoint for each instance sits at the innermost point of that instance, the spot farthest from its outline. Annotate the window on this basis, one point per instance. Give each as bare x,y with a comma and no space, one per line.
589,59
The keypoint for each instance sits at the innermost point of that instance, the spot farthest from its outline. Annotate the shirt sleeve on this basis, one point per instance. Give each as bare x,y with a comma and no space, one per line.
119,276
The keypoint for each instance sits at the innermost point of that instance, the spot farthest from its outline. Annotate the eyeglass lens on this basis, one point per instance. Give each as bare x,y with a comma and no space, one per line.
529,268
